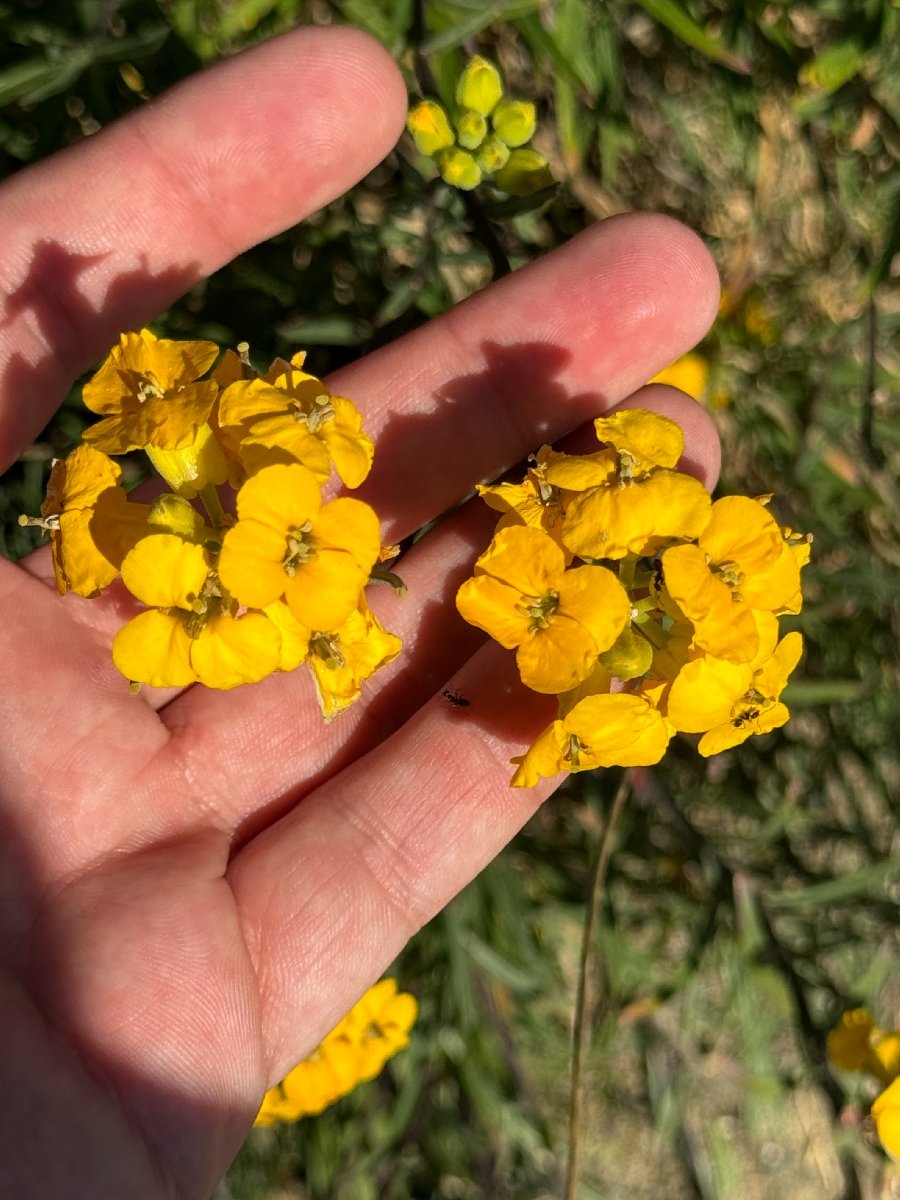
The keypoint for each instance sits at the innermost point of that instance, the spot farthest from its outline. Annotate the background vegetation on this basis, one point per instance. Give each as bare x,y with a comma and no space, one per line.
751,898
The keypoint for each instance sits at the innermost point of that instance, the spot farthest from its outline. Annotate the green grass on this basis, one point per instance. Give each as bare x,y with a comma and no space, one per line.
752,897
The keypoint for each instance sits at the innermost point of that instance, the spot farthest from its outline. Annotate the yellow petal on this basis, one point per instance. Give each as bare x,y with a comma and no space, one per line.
230,651
652,440
495,607
294,636
556,658
165,572
283,497
621,730
705,692
251,563
154,648
325,590
594,597
543,759
690,373
886,1111
525,558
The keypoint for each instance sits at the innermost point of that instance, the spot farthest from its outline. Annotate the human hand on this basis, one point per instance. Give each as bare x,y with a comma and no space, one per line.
196,886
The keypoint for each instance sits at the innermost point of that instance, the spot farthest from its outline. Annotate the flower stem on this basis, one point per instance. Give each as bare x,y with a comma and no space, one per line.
209,498
585,1013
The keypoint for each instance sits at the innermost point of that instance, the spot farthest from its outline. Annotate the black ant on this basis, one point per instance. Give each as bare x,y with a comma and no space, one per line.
454,698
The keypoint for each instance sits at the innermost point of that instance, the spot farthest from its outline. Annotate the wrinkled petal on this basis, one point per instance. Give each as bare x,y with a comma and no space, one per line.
230,651
165,572
154,648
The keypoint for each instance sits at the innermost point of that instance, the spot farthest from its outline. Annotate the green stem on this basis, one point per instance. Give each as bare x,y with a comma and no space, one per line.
585,1013
209,498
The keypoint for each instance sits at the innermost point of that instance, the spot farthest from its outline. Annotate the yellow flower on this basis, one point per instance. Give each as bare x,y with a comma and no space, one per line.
91,522
189,632
379,1025
288,543
629,499
599,731
858,1044
329,1073
558,620
354,1051
148,394
886,1111
533,502
342,660
294,413
727,701
741,562
690,373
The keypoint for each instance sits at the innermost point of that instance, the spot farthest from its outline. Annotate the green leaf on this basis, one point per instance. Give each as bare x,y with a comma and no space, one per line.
674,18
866,881
333,330
37,78
835,66
472,25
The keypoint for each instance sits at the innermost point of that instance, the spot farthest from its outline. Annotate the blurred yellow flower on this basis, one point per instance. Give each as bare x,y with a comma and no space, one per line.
690,374
886,1111
858,1044
355,1051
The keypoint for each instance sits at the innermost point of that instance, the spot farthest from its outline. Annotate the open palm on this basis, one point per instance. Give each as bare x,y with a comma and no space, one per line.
195,886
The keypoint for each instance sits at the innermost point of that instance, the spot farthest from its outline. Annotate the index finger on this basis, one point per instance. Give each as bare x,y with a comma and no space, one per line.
105,235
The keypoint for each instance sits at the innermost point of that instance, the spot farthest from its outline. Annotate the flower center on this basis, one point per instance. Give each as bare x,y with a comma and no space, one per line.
322,411
148,387
541,609
326,646
300,548
728,572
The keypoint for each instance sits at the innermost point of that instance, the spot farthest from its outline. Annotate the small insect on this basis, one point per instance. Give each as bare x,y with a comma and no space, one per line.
454,698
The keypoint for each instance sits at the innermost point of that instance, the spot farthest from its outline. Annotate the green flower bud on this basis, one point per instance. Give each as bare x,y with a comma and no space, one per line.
493,155
459,169
430,129
630,655
514,121
479,86
471,129
525,172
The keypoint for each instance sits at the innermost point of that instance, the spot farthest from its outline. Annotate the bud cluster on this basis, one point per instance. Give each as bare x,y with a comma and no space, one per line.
486,139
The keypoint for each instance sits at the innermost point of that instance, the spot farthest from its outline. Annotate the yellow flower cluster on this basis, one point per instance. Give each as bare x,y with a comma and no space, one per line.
858,1044
355,1051
243,567
488,138
643,606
